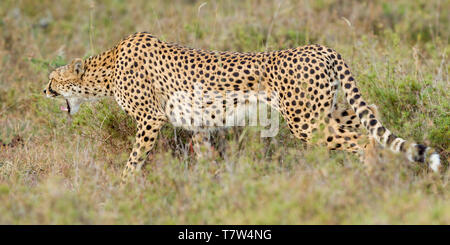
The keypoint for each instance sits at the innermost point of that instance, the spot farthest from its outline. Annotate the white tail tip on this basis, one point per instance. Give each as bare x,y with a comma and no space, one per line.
435,162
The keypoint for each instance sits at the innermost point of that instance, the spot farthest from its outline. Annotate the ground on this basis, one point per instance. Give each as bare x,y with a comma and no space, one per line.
59,171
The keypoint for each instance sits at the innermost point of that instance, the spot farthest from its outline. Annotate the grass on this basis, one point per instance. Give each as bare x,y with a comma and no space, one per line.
67,172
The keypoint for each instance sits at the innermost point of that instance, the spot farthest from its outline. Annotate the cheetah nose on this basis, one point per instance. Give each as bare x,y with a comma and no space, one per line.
45,91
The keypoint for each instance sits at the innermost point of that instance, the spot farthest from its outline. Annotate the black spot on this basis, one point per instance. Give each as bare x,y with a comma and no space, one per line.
420,157
402,147
390,139
363,113
380,131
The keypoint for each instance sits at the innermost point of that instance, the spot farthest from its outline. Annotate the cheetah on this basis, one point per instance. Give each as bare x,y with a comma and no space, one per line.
156,82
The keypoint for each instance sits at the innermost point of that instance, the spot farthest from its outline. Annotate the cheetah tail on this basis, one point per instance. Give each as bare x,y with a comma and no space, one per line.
414,152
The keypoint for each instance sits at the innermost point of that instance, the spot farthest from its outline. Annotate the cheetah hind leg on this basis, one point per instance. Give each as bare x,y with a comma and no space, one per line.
372,155
202,146
343,135
348,118
338,137
334,135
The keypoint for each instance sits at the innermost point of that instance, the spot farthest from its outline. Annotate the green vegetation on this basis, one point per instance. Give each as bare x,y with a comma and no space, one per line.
67,171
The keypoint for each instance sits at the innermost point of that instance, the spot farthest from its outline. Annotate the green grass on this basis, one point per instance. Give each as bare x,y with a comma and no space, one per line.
68,171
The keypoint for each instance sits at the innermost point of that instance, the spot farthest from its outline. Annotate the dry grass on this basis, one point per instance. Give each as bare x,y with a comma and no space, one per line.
68,173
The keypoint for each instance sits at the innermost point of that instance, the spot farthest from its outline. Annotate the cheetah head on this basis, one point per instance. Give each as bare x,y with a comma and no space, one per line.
66,82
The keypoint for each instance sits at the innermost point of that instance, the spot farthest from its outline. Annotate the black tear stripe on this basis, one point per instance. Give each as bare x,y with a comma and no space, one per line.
51,90
68,106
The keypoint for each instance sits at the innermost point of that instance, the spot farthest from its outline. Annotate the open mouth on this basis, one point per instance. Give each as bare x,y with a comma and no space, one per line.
66,108
52,94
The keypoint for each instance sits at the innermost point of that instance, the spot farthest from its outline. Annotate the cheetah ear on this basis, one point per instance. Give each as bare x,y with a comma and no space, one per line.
78,66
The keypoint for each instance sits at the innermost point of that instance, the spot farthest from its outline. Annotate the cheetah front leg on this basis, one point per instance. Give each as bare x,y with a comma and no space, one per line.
145,140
